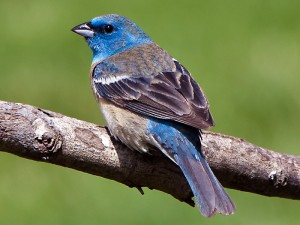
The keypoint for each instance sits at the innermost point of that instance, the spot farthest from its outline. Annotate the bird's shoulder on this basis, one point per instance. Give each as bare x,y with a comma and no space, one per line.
146,60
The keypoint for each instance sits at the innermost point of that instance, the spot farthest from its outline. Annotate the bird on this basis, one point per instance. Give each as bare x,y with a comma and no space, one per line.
150,102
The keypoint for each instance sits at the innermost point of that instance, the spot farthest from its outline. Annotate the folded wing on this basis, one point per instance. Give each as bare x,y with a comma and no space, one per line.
166,95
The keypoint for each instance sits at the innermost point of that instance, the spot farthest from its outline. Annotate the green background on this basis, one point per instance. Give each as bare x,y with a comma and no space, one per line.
245,54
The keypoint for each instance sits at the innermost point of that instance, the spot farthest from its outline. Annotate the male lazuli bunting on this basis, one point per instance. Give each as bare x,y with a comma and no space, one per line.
150,101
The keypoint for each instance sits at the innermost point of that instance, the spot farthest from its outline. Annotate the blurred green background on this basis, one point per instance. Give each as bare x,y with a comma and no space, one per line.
245,55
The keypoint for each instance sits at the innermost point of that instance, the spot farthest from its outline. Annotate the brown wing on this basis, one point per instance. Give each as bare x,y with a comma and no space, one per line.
167,95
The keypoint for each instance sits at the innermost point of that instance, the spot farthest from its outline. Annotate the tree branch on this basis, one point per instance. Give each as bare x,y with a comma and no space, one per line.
46,136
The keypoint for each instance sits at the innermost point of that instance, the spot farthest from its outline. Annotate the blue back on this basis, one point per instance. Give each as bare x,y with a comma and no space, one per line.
174,136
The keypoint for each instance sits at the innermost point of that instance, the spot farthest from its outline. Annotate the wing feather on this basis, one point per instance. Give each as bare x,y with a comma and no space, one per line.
167,95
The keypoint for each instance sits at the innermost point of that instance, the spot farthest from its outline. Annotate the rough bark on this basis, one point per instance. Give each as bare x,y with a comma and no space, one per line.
50,137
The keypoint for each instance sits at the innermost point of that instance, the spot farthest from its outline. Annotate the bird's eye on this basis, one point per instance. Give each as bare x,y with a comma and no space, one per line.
108,29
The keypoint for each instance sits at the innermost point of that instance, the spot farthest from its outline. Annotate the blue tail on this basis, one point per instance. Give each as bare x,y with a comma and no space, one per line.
209,194
182,144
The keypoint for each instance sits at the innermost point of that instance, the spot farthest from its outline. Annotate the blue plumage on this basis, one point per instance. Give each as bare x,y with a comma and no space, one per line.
150,101
183,145
126,35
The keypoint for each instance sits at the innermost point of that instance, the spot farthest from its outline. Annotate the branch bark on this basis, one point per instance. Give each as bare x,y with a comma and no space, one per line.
50,137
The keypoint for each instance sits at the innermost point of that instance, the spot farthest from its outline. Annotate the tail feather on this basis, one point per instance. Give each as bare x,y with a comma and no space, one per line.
224,204
182,144
209,194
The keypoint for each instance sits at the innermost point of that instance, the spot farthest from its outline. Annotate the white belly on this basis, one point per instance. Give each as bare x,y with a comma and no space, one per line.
130,128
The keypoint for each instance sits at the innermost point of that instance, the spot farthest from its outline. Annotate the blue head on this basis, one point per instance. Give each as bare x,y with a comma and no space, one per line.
110,34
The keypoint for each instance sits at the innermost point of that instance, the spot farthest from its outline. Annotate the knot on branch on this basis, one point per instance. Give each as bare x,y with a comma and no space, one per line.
48,140
278,178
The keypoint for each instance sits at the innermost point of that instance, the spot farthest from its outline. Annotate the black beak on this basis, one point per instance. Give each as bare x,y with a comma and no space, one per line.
84,30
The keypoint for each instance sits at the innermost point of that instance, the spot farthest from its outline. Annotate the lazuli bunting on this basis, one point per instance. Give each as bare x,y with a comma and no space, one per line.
150,102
